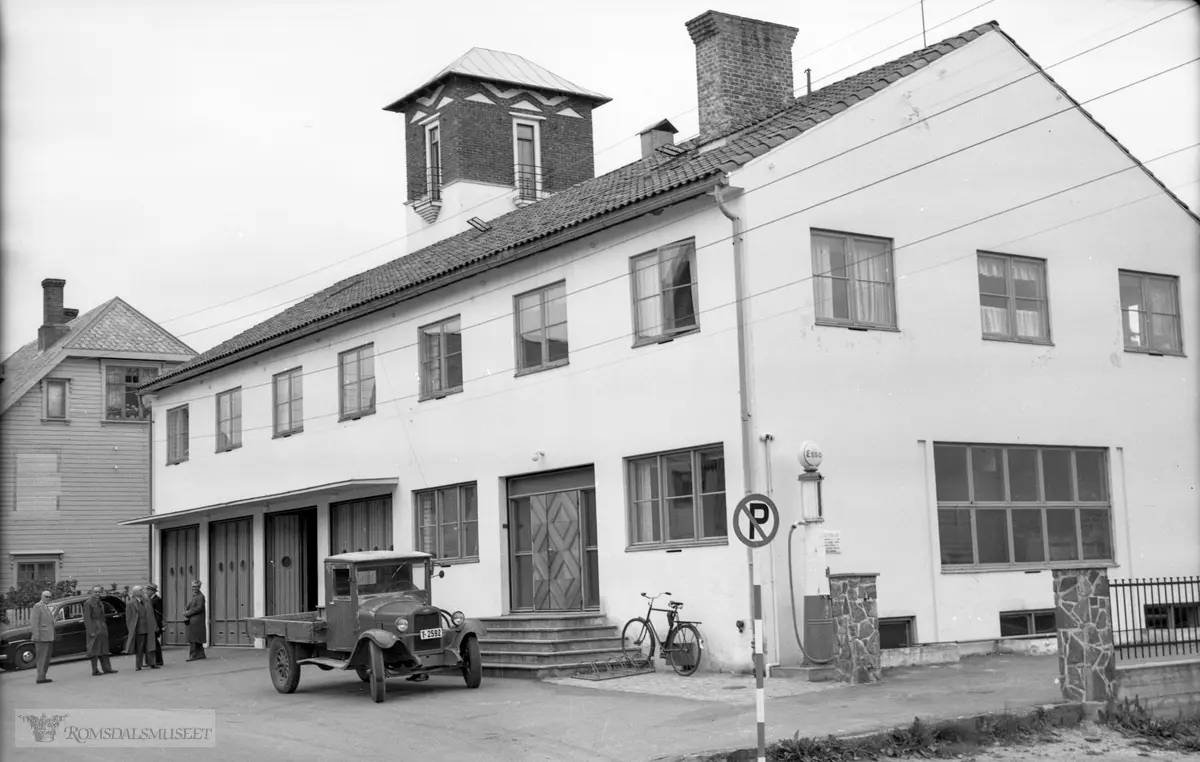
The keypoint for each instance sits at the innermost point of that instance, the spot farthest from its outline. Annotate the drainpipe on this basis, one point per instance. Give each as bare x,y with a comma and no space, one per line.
719,194
767,439
150,528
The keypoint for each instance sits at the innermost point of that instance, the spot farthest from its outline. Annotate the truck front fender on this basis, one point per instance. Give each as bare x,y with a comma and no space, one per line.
381,638
474,627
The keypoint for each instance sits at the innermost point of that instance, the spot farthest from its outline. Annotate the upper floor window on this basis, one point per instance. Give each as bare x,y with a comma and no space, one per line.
1012,298
229,420
448,522
122,402
433,161
441,358
542,328
665,292
356,379
677,497
56,399
1150,313
289,402
177,435
852,280
40,570
1003,506
527,152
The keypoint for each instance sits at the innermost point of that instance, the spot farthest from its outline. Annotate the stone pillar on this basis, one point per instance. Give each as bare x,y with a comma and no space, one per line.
856,617
1086,663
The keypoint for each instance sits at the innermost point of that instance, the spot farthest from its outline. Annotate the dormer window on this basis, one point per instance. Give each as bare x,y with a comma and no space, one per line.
433,162
528,153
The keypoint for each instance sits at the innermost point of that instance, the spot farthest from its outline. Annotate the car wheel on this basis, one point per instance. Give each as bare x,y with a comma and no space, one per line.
378,674
26,656
363,673
281,660
472,663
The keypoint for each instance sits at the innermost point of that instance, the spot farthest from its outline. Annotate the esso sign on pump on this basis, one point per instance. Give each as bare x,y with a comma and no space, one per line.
810,456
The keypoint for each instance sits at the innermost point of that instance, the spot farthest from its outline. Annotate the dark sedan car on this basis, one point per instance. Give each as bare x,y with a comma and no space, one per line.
17,649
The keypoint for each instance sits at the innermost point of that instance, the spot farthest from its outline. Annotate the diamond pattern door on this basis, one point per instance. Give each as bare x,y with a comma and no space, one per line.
557,552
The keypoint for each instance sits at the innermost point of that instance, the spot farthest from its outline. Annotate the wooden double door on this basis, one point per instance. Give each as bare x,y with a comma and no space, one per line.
180,552
291,539
554,564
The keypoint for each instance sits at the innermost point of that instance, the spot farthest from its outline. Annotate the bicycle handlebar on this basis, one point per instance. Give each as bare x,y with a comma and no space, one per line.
659,595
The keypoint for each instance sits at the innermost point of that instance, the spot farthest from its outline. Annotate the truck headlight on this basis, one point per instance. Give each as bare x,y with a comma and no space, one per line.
458,618
402,624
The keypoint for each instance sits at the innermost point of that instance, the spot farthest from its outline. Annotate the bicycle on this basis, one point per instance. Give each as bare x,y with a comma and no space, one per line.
683,647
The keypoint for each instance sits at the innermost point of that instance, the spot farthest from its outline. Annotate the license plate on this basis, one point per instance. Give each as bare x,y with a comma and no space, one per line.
436,632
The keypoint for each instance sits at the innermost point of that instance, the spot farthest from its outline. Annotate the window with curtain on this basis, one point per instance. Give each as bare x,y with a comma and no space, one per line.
56,399
122,402
852,280
177,435
1022,506
289,402
1012,298
441,358
541,325
448,522
677,497
356,377
229,420
665,297
1150,316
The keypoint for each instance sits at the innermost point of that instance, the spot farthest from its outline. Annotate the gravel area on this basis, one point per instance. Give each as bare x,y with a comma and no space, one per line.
1086,743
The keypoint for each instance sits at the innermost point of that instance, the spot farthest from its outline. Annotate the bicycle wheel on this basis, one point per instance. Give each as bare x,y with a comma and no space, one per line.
637,640
684,649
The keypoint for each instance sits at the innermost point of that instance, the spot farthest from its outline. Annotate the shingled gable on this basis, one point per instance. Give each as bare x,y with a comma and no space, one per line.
113,327
653,182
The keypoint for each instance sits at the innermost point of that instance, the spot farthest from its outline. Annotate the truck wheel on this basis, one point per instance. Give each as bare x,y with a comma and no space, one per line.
378,674
363,674
472,664
281,661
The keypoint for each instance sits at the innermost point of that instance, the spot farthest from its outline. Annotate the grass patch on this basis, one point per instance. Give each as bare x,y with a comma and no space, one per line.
1131,719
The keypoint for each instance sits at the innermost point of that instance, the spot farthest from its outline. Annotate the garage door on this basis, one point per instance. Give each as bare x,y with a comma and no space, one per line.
180,551
361,525
231,600
291,562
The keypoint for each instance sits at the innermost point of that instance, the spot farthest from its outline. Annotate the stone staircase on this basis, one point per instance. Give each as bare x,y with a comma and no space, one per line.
546,644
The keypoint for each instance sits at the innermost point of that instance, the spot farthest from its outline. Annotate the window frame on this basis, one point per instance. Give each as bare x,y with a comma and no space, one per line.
360,411
439,522
1041,504
1031,616
910,625
36,560
536,125
697,495
1011,298
105,367
1144,278
433,188
664,336
852,323
47,383
292,375
442,391
543,304
175,439
234,420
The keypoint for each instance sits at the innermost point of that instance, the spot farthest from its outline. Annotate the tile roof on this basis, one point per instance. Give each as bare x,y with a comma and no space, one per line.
510,68
114,326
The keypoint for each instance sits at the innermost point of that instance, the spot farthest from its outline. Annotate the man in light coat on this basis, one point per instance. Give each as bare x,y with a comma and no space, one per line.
95,623
197,627
42,625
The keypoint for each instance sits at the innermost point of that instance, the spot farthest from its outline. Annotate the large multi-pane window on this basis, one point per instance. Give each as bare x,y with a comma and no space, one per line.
677,497
1003,505
448,522
1012,298
121,400
36,570
356,378
665,295
441,358
541,318
289,402
1150,313
177,435
853,283
229,420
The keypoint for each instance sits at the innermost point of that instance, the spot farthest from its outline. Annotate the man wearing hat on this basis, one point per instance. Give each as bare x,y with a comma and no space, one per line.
156,603
197,627
95,623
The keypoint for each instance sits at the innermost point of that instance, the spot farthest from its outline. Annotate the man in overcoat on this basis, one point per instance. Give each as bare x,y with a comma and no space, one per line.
156,603
197,626
96,625
42,625
140,620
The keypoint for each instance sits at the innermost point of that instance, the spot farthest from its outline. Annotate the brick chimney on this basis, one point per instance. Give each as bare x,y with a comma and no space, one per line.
658,134
743,70
54,324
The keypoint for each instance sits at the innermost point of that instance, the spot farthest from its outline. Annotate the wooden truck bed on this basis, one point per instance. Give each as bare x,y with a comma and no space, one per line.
306,627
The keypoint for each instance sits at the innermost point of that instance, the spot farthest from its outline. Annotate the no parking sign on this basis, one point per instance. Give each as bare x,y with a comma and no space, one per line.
756,520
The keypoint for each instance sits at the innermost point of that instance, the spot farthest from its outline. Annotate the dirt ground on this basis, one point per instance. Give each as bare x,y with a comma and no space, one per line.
1086,743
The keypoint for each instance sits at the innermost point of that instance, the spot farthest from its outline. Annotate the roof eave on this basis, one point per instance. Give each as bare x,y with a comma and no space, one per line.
398,106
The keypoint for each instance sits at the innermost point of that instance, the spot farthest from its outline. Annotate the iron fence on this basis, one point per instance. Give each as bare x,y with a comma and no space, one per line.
528,181
1155,617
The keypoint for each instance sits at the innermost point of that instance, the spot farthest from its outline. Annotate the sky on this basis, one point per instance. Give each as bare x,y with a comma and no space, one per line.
212,162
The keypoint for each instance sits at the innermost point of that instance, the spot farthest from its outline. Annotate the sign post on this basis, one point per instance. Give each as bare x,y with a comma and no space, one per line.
756,522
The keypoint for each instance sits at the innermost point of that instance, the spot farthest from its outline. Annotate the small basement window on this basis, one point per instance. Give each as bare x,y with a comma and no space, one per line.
896,632
1018,624
1174,616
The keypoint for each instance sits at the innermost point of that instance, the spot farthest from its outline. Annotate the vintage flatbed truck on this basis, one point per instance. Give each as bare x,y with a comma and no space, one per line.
379,621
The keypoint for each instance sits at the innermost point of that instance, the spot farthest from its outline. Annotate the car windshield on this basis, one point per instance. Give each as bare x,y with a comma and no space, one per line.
377,579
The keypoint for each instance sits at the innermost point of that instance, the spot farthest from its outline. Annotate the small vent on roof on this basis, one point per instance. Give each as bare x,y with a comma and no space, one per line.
351,284
479,224
670,149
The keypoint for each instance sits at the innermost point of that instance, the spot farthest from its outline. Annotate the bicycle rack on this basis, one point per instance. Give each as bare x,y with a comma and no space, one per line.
617,666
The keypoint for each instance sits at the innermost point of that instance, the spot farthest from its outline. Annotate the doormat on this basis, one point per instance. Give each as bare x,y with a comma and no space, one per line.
617,666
